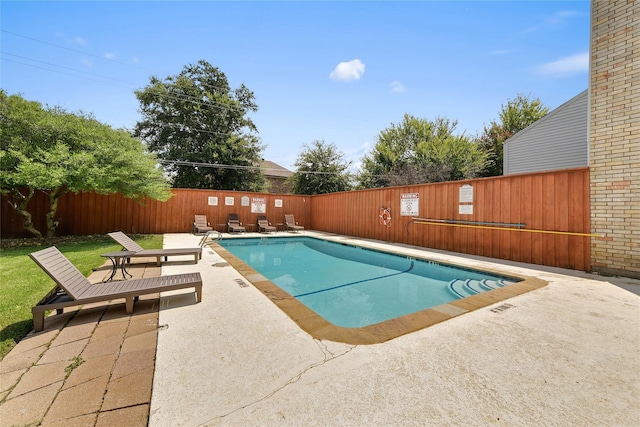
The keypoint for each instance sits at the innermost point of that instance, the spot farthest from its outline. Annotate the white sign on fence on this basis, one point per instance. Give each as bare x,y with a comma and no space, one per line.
213,201
466,193
258,205
465,209
410,204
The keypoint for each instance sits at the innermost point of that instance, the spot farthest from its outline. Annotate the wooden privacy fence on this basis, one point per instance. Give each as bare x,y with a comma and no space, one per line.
548,204
91,213
472,216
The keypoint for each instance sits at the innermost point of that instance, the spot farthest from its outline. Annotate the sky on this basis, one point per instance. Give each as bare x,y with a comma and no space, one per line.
336,71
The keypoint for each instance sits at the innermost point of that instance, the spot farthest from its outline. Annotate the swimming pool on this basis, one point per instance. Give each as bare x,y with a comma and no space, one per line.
354,287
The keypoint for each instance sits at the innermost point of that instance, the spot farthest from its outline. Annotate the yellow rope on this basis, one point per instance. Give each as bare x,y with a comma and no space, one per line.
566,233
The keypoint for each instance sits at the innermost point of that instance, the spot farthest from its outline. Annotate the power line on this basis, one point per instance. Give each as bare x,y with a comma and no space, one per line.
213,88
72,50
240,167
179,97
185,98
60,72
115,82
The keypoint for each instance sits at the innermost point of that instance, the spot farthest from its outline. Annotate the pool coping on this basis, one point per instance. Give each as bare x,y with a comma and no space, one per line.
321,329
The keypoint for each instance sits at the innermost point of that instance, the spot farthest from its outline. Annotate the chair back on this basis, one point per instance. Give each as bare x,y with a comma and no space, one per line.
233,219
60,269
201,221
289,219
125,241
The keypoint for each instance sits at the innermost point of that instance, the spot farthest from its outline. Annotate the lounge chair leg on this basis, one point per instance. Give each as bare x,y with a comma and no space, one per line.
129,305
199,293
38,321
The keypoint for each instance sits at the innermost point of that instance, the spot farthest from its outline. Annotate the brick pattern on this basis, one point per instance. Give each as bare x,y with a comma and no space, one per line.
90,367
614,136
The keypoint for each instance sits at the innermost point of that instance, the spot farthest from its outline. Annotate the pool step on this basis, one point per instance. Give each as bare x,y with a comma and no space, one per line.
469,287
460,288
494,284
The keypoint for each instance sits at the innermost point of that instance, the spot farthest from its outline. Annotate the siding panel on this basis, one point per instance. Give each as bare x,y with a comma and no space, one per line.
556,141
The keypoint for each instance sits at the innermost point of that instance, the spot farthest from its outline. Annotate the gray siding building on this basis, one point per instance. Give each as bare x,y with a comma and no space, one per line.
559,140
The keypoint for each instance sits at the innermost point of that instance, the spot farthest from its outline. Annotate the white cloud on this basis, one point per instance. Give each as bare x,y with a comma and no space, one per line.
356,155
555,20
562,16
79,40
502,52
570,65
396,86
109,55
347,71
135,60
87,62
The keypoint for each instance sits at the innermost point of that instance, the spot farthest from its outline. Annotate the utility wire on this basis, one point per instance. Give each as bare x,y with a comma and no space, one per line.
179,97
240,167
62,72
185,98
72,50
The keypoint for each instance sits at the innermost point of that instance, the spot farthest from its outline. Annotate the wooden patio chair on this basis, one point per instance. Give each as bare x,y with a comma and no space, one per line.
201,225
73,289
291,224
265,225
234,224
129,245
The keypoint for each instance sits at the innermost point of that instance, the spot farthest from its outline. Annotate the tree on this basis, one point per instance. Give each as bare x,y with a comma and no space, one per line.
320,169
418,151
53,151
194,119
514,117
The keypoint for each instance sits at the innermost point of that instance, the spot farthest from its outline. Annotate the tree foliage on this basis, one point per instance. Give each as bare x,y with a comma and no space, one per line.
320,169
514,117
53,151
418,151
195,117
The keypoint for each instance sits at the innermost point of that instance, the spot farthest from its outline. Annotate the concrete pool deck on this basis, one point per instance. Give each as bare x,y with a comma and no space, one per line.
564,354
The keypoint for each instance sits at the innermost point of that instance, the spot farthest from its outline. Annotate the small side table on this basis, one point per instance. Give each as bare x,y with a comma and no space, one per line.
251,227
281,227
118,260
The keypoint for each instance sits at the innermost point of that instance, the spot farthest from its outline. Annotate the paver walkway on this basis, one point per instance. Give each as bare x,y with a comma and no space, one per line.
89,367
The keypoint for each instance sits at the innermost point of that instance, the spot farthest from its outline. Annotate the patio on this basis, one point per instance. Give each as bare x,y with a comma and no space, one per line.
565,354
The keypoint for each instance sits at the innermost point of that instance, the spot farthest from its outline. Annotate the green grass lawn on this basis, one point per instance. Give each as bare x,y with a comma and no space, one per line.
23,283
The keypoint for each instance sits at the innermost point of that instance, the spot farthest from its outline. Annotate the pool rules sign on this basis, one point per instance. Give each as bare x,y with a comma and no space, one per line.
258,204
410,204
466,200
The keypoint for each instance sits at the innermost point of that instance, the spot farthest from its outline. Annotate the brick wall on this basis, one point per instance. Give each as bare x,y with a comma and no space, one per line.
614,136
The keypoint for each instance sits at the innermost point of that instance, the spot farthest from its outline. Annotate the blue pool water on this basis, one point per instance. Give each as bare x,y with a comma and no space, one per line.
354,287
